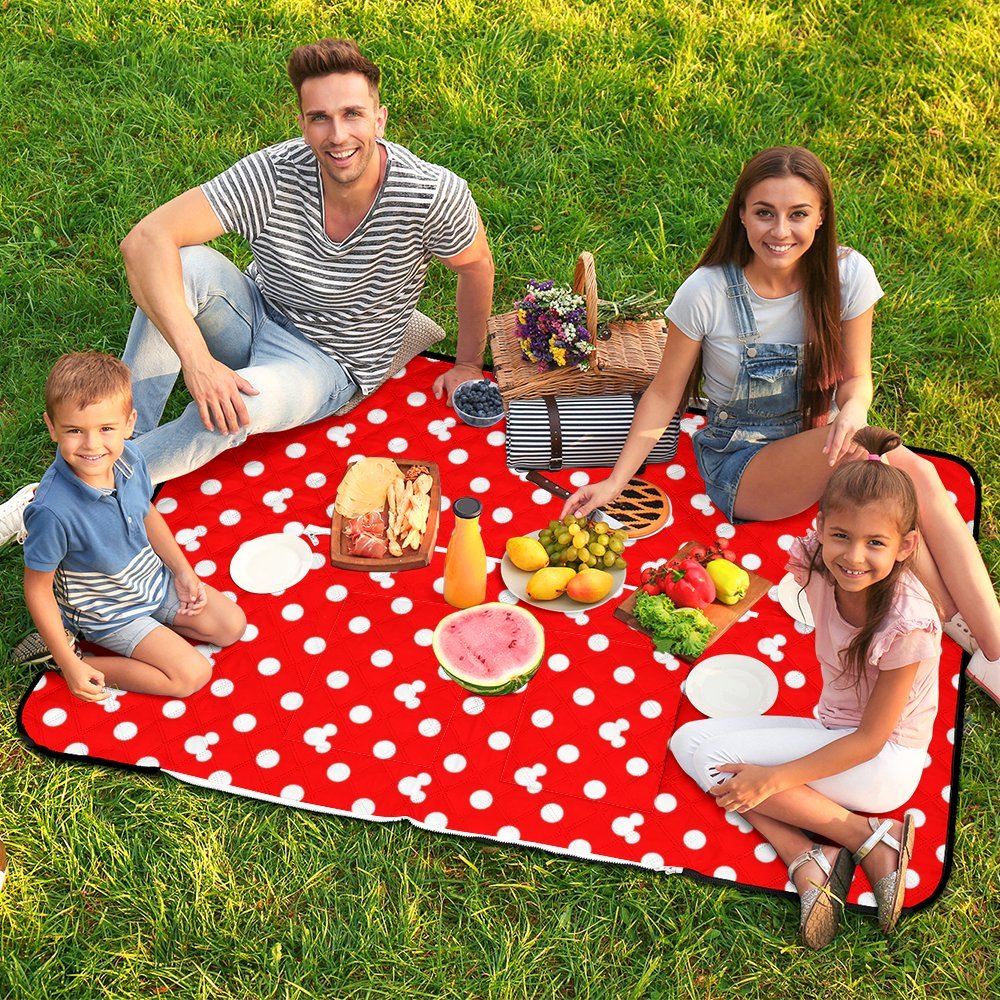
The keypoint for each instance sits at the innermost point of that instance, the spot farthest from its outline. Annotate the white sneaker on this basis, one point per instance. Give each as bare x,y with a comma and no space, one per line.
956,629
986,673
12,514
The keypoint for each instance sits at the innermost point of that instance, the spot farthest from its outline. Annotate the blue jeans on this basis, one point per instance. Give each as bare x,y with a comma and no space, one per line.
297,382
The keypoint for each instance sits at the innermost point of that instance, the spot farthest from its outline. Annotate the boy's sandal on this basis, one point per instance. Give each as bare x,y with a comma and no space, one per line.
889,889
821,904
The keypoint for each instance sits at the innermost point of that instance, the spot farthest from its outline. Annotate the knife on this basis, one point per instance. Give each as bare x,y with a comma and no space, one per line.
534,476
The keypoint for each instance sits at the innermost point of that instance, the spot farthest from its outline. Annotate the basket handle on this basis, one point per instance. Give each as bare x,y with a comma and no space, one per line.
585,284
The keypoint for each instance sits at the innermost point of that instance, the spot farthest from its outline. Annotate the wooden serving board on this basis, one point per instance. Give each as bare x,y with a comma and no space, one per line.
411,558
722,616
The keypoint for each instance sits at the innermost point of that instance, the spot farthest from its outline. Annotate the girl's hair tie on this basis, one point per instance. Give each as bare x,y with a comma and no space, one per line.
872,457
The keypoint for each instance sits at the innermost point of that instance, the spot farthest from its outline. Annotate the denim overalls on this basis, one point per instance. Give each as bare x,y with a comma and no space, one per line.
764,405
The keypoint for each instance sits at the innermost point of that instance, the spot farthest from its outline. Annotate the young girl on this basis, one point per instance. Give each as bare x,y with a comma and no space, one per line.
777,318
878,641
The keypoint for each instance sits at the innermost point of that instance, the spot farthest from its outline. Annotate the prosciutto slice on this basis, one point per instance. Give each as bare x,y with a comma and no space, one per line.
366,535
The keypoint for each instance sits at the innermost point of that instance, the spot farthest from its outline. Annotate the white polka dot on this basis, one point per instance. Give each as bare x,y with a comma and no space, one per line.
508,833
583,696
291,700
359,625
210,487
498,740
665,802
598,642
624,675
141,762
360,714
541,497
637,766
381,658
268,759
424,637
458,456
676,472
496,439
735,819
205,567
652,860
436,820
941,852
542,718
429,727
402,605
751,562
245,722
474,705
166,505
480,799
454,763
125,731
568,753
174,709
785,542
651,709
503,515
946,793
253,468
551,812
230,517
336,593
220,778
249,633
695,840
384,749
338,772
296,450
795,679
268,666
416,399
578,479
765,853
398,445
294,793
866,899
292,612
729,874
595,789
558,662
579,846
377,416
222,688
363,807
81,750
919,817
479,485
314,645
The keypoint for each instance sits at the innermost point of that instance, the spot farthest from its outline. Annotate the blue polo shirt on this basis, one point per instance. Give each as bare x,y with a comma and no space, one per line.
107,573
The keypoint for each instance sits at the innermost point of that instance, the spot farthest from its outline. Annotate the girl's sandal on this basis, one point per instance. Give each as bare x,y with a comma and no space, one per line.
821,904
889,889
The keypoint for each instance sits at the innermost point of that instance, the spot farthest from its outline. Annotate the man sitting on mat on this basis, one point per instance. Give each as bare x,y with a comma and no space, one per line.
343,226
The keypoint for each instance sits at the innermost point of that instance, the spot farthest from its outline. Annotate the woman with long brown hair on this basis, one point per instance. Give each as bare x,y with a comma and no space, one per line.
775,323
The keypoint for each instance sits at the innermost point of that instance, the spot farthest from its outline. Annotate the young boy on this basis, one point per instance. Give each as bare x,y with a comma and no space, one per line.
100,560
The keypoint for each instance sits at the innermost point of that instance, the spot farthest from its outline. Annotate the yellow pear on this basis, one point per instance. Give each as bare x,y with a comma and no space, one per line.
547,584
527,553
590,585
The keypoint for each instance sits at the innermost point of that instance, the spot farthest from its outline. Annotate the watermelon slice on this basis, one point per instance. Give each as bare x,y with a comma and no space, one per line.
491,648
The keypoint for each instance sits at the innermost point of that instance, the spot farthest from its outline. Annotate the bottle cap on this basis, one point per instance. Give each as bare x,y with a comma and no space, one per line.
467,507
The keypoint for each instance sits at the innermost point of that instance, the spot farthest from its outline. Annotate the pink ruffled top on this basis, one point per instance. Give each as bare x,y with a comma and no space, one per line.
911,633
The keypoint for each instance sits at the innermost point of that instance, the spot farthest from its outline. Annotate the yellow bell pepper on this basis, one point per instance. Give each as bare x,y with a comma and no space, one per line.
731,581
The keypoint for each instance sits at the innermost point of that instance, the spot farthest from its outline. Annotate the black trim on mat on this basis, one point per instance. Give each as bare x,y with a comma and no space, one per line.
947,864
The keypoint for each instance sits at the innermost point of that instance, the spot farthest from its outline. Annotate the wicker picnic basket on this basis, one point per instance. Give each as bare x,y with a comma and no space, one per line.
625,360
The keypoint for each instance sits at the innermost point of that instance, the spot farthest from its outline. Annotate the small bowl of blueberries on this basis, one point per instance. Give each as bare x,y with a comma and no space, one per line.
478,403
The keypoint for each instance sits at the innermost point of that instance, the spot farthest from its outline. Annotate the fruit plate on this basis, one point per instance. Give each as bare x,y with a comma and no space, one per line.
411,558
516,581
722,616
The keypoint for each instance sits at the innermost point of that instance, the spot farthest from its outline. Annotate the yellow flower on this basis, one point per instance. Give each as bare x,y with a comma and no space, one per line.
526,349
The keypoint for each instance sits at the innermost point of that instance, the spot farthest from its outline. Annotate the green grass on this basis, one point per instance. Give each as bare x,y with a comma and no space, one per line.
616,127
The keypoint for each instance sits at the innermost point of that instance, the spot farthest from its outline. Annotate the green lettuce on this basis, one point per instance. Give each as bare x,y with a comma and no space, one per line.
683,631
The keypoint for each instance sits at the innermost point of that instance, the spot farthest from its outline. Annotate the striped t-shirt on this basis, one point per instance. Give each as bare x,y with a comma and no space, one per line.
353,298
106,572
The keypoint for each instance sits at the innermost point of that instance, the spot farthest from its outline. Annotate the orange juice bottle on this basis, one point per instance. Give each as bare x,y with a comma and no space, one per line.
465,560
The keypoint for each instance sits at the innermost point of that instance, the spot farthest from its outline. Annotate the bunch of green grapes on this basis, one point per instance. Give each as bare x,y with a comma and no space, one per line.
579,542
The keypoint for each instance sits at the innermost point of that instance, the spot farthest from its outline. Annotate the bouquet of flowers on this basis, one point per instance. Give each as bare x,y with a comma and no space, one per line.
552,327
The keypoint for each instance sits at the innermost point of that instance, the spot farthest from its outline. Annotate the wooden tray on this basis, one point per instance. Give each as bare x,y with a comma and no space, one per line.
411,558
722,616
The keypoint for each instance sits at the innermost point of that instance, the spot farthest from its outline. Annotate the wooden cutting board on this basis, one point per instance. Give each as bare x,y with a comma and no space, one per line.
411,558
722,616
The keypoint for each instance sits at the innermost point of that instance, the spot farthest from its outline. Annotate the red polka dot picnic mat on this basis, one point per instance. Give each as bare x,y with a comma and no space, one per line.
334,702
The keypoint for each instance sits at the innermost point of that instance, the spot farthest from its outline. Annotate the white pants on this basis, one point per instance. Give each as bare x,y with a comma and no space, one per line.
881,784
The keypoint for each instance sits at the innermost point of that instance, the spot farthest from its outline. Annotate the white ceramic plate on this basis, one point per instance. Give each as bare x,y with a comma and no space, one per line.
270,563
730,685
793,599
516,581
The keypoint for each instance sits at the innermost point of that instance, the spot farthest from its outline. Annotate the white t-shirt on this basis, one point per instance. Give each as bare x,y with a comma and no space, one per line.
701,310
352,298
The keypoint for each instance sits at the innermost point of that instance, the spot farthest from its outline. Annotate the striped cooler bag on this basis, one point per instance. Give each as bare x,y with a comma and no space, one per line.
551,432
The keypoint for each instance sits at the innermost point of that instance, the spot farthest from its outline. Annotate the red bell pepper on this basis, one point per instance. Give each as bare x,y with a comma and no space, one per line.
688,584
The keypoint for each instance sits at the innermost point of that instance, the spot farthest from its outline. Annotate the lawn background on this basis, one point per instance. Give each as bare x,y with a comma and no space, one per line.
616,127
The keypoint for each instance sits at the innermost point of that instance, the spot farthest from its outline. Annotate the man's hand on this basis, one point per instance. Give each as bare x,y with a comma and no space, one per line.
453,378
218,391
83,681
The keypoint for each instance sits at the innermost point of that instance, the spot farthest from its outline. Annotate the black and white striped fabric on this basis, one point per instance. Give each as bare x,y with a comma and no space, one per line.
576,431
354,298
